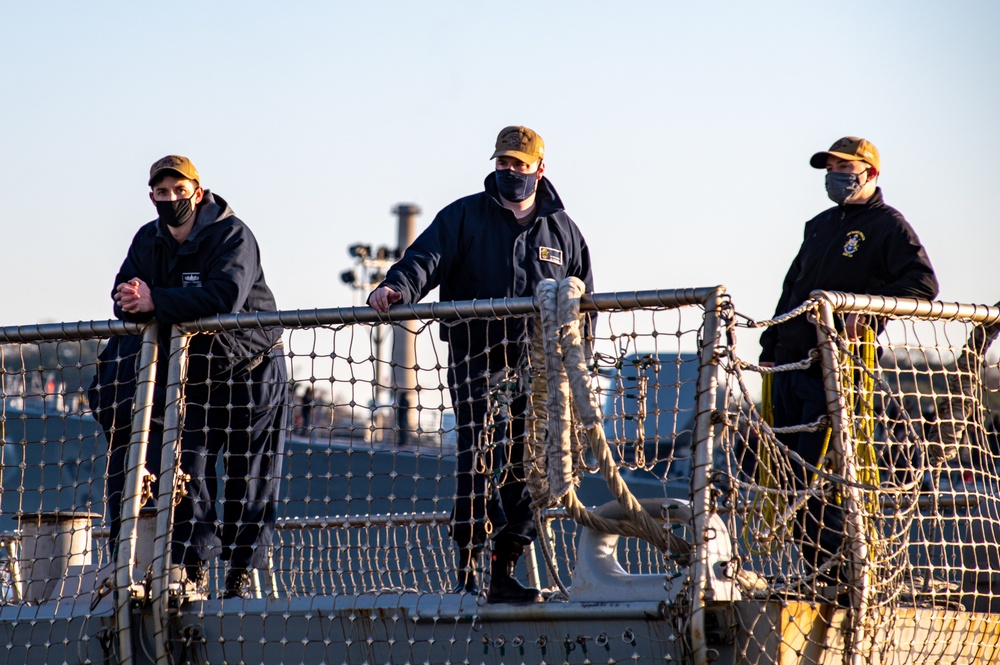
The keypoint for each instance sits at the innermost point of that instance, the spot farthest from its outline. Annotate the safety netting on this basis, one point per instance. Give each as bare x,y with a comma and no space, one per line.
882,545
353,506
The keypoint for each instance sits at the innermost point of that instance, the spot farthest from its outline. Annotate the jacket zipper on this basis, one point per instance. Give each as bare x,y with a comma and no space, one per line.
833,239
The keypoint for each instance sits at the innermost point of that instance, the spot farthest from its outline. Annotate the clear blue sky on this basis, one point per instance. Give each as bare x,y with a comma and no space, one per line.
678,133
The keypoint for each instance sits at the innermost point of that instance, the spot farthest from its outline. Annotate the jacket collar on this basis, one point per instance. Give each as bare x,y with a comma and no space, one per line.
874,202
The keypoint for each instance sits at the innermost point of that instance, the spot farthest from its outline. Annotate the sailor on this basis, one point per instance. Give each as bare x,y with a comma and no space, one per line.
861,245
198,259
499,243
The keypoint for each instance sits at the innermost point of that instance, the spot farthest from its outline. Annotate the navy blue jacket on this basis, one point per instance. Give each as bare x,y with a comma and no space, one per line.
216,270
476,249
862,248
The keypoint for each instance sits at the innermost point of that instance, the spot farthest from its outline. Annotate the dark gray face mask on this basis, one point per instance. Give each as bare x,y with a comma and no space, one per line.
515,186
176,213
842,186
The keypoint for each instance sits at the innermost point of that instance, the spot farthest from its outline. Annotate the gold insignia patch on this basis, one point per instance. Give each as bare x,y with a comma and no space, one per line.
853,244
550,255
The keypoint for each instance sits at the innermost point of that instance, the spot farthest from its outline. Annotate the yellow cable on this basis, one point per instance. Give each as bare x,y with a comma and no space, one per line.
859,394
768,504
859,385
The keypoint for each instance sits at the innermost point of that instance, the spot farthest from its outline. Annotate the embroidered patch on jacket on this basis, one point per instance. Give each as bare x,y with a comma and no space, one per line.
191,279
853,243
550,255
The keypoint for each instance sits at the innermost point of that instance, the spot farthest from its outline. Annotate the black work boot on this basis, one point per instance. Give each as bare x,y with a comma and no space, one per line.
468,560
195,584
196,574
237,583
504,587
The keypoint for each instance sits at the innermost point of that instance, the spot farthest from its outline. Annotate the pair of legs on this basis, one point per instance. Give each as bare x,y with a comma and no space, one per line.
491,499
799,398
243,422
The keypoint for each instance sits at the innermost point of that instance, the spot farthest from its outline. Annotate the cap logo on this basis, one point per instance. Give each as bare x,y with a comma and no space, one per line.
514,139
842,143
167,163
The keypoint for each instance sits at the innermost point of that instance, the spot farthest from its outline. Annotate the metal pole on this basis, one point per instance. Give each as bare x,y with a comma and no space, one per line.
404,339
843,445
701,476
135,466
173,423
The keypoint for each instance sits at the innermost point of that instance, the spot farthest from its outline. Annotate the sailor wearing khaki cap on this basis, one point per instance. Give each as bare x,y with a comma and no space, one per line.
861,245
198,259
498,243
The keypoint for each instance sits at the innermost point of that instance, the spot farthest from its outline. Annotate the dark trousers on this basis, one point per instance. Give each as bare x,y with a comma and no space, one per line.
489,480
798,397
244,424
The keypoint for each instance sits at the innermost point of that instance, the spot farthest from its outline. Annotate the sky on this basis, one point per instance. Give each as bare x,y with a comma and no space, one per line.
678,133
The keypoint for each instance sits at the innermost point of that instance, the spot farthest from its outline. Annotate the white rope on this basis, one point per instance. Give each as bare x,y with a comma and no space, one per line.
566,371
558,452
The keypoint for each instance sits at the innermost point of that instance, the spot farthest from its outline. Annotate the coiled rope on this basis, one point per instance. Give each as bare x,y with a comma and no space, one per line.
563,403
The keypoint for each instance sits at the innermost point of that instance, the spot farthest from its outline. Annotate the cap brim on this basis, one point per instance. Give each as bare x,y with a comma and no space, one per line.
517,154
818,160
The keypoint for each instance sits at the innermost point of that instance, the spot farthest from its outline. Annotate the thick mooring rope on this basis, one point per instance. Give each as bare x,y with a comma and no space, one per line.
566,388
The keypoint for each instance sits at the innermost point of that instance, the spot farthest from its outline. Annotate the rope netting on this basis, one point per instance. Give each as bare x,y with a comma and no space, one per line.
878,547
367,477
911,409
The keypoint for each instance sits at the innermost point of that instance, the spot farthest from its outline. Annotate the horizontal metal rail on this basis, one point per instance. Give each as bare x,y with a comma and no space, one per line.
50,332
899,307
925,501
302,318
499,307
362,521
459,309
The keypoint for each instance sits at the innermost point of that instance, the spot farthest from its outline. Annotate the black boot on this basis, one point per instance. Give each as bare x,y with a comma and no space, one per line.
197,575
504,587
468,560
237,583
196,583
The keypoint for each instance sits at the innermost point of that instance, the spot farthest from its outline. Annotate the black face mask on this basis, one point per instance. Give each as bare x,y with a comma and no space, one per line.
176,213
516,187
841,187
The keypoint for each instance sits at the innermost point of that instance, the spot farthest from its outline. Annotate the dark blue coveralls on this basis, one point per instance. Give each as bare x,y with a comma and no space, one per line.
236,390
475,248
855,248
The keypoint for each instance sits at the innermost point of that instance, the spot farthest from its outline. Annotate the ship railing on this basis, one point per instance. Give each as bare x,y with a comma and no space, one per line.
404,468
368,479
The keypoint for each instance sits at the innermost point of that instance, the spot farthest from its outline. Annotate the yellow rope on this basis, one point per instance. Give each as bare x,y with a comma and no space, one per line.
859,388
768,504
859,393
